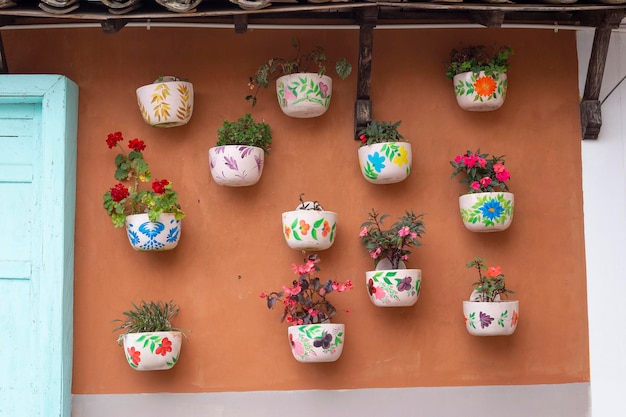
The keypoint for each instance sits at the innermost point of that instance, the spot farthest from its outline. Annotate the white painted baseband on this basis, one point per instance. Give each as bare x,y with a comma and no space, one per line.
559,400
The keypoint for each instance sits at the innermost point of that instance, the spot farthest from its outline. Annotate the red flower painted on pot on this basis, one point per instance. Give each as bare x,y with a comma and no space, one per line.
287,231
134,355
514,319
164,347
485,86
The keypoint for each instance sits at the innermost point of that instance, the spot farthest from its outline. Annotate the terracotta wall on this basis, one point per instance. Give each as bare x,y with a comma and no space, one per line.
232,246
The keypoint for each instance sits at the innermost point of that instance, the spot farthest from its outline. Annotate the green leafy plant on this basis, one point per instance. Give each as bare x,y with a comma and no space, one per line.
476,58
380,132
313,60
490,286
393,243
148,317
245,131
121,201
305,300
481,173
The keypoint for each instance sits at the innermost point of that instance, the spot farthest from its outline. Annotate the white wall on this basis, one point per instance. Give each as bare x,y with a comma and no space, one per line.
604,190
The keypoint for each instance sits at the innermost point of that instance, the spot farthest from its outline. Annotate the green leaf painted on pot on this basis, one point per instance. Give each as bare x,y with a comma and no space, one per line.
314,234
369,172
318,223
296,235
295,223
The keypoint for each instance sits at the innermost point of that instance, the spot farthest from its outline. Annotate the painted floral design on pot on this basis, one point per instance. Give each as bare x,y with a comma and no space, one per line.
153,351
236,165
168,102
304,95
477,91
495,318
309,230
316,342
386,163
145,235
487,212
394,287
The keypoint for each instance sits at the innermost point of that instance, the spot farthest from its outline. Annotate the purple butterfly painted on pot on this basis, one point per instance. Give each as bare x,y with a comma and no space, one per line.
324,341
405,284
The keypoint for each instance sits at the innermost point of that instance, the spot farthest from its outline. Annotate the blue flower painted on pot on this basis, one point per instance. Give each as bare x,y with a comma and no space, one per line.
377,161
492,209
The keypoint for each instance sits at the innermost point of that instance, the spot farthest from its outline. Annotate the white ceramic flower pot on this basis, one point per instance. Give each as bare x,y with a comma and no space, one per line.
304,95
166,104
310,230
487,212
144,235
480,92
154,351
394,287
236,165
316,342
386,163
497,318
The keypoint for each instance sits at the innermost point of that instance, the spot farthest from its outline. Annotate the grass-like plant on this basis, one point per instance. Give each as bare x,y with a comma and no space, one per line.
148,317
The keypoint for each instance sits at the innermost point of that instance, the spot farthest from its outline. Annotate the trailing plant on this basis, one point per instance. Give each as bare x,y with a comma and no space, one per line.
313,60
245,131
121,201
380,132
393,243
480,172
476,58
148,317
491,285
305,301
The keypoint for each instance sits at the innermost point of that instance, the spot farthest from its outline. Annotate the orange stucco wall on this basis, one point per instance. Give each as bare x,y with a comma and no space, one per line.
232,246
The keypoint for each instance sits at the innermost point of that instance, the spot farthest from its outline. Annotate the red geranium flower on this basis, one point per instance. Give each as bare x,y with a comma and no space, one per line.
159,186
136,145
113,138
119,192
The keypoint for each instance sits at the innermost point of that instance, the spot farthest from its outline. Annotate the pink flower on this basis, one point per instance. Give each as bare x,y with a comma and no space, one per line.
476,185
296,346
405,257
404,231
375,253
503,176
499,167
470,160
364,232
458,159
481,161
262,295
289,96
413,235
380,293
485,181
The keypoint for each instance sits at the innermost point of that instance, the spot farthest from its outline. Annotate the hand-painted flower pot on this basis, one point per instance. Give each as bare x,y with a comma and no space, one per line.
153,351
476,91
309,230
304,95
167,103
236,165
144,235
316,342
496,318
487,212
386,163
394,287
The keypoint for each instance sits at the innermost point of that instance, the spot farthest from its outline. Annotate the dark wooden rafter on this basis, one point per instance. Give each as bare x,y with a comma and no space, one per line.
490,19
590,106
112,26
241,23
366,18
4,67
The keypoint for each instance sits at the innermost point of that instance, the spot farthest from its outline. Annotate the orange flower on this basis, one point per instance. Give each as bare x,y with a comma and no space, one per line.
287,231
494,271
325,228
304,227
515,318
485,86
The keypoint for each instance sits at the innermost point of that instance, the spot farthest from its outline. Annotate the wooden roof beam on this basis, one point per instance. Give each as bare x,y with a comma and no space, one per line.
590,106
490,19
367,19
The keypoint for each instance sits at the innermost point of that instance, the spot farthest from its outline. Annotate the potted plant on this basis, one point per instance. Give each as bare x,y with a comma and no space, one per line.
301,92
479,76
384,157
487,206
238,158
167,102
391,284
153,218
313,338
150,342
309,227
485,313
